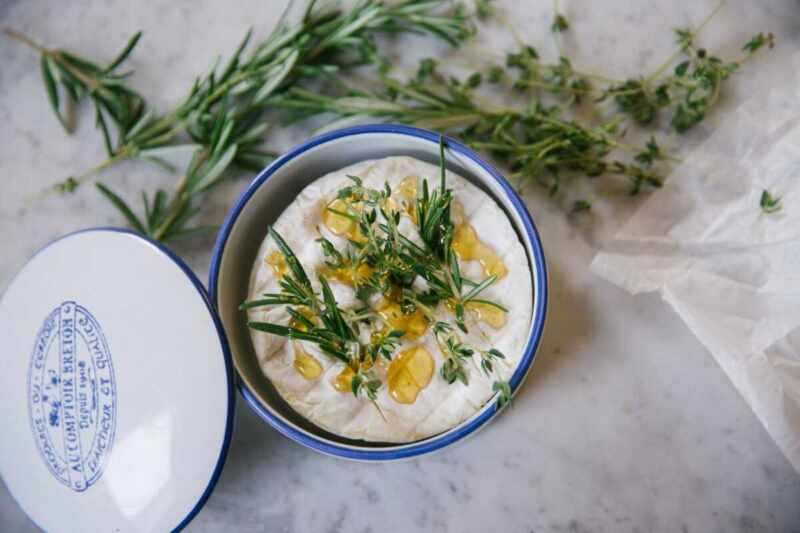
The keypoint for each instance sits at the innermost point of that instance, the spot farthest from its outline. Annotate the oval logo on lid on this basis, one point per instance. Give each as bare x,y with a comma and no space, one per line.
72,396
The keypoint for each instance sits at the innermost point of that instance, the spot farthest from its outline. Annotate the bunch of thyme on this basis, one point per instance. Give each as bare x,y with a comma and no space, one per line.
223,113
542,141
690,91
537,143
688,83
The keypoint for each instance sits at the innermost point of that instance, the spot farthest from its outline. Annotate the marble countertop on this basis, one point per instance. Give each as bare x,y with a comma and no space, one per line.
625,423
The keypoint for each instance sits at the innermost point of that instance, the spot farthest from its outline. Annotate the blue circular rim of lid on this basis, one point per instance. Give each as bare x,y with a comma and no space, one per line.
439,441
229,372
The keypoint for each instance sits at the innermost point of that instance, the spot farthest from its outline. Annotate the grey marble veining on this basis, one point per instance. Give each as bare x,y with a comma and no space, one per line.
625,422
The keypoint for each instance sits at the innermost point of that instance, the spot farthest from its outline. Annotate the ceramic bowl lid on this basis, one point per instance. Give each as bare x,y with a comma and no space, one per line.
117,398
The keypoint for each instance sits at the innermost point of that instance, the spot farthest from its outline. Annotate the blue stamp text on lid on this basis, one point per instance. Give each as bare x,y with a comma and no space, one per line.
72,396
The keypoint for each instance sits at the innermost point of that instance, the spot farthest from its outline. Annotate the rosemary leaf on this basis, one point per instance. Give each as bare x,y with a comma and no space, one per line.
223,111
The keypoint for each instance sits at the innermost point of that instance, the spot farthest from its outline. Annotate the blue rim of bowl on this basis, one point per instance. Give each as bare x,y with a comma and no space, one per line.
439,441
229,373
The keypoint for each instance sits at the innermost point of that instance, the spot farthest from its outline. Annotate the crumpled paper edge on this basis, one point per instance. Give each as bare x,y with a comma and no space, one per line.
766,371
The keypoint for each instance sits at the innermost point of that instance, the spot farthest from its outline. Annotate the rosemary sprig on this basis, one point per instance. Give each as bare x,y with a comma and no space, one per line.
324,42
223,112
222,141
332,329
396,260
68,79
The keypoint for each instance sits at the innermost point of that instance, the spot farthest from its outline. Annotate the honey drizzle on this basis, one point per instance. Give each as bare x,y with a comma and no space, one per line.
407,190
487,313
277,263
347,274
305,363
414,324
409,373
343,381
340,224
469,247
494,316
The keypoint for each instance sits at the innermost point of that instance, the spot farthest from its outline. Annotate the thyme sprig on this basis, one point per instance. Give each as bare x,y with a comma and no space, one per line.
458,354
690,90
538,143
543,141
686,86
69,78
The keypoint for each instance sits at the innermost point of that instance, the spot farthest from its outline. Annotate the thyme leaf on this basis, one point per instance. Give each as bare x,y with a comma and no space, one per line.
770,203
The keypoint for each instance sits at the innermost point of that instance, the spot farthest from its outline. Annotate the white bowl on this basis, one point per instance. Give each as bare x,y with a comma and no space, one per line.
265,199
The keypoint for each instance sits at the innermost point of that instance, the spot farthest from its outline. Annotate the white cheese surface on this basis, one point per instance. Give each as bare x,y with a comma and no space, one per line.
440,406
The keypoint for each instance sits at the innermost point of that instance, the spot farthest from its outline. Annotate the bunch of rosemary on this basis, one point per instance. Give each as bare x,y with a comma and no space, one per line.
393,262
223,112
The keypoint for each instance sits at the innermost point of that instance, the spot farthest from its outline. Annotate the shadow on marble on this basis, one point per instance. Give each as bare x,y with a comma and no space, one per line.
254,443
569,322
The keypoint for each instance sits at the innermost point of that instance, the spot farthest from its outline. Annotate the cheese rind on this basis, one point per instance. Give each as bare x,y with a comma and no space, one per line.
439,406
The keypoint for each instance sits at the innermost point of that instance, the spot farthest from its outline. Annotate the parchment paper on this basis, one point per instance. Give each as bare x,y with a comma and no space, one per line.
731,271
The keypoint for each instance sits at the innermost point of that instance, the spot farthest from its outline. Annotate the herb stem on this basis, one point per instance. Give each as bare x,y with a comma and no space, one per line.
74,182
177,205
675,55
21,37
52,54
594,76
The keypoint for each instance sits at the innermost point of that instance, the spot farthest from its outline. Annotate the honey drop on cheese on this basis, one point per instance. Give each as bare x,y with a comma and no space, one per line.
277,263
340,224
489,314
347,274
343,380
414,324
407,190
305,363
304,311
409,373
469,247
